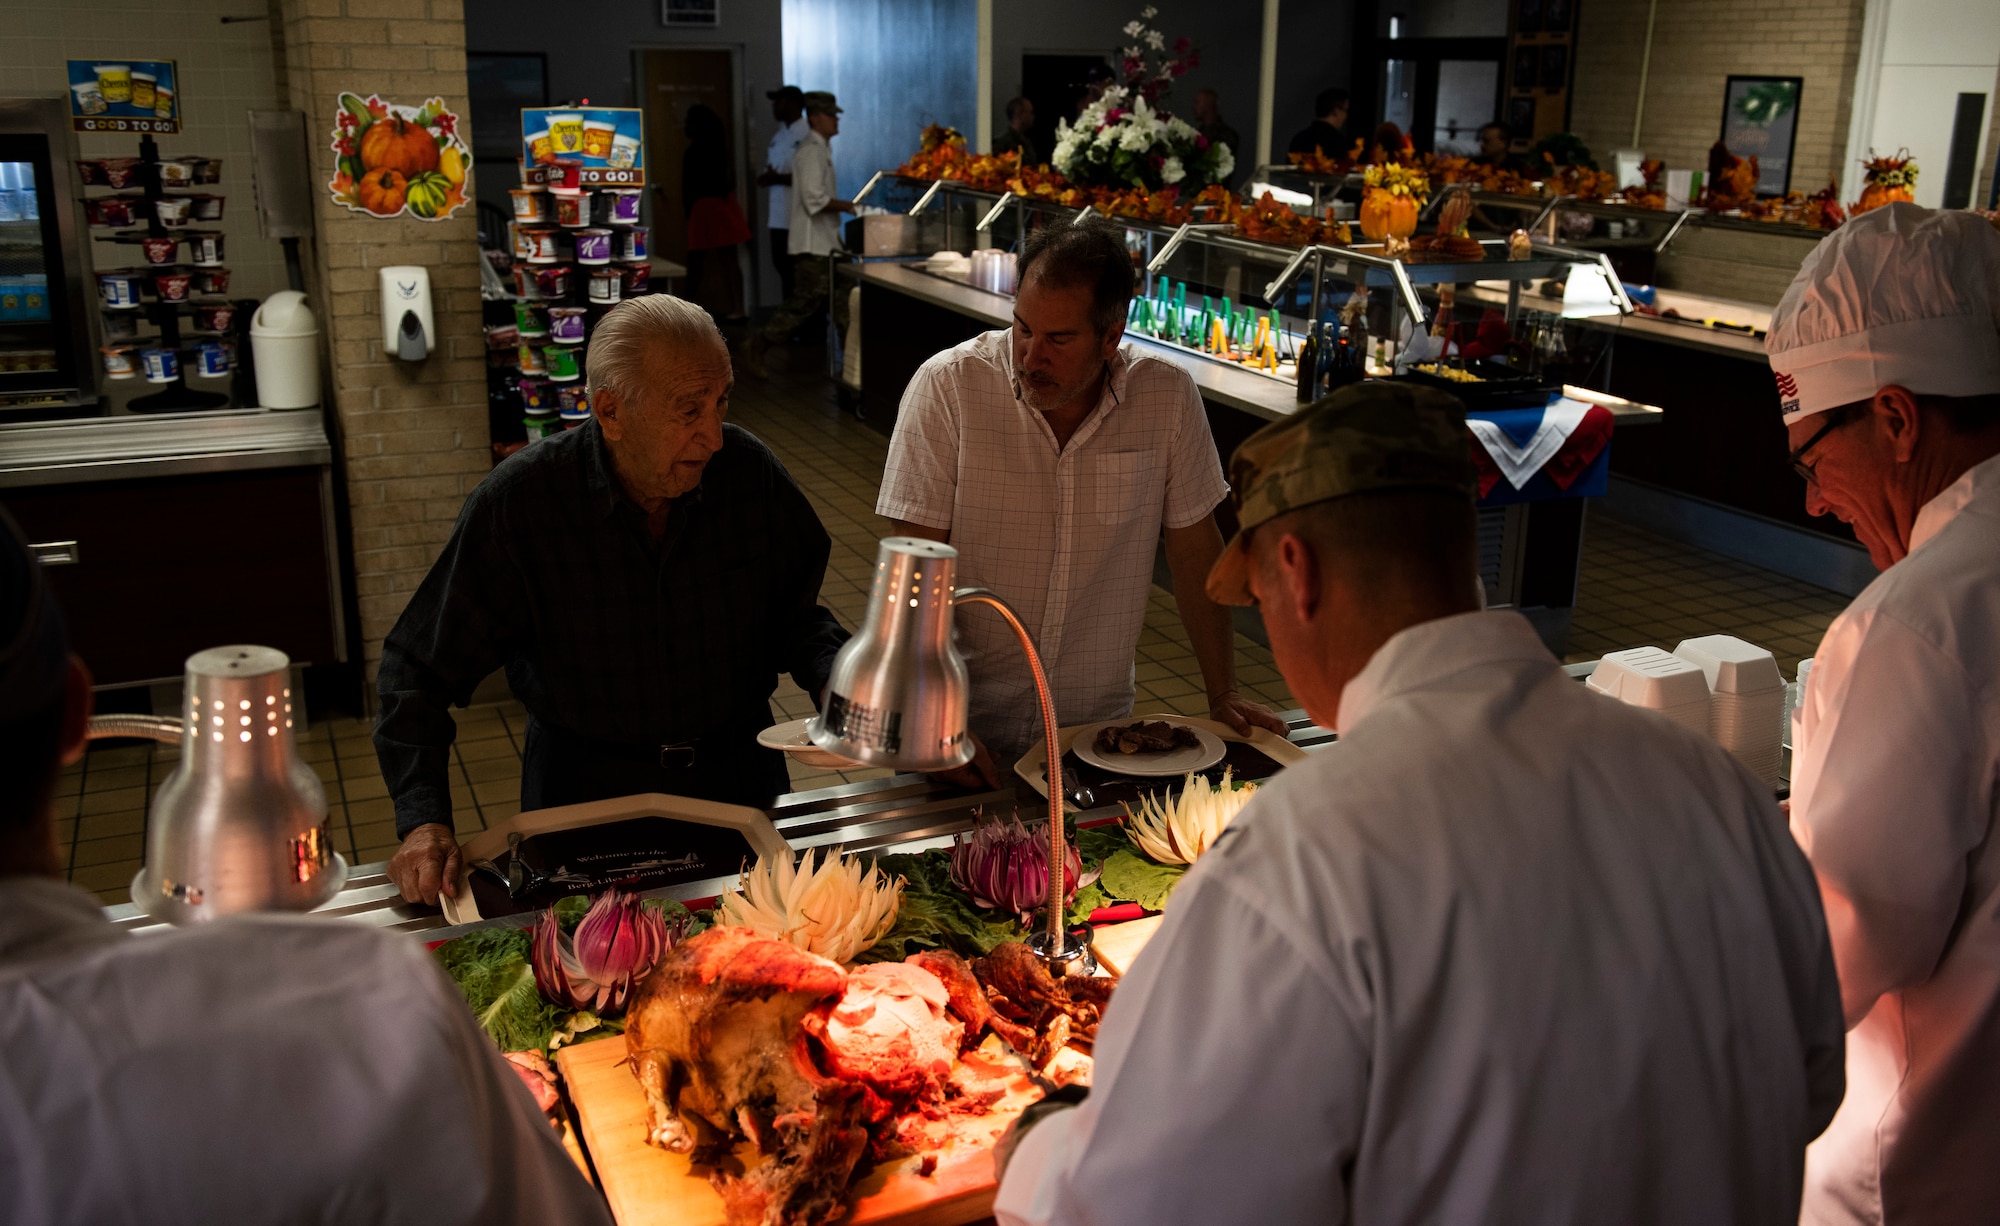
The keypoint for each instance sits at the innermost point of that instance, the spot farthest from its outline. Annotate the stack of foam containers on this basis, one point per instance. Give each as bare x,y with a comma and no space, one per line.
1658,681
1746,716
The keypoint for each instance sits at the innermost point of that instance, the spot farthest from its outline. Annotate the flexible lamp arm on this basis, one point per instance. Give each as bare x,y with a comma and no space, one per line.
1057,858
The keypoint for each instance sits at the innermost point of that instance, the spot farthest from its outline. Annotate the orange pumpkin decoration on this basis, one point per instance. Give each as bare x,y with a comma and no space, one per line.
399,145
1875,195
382,192
1387,215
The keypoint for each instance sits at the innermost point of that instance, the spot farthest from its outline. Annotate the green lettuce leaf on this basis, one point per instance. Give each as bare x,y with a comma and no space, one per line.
1132,877
493,973
935,915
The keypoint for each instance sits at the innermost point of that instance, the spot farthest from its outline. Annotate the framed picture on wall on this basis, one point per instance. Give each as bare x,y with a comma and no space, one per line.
1760,119
1527,67
690,12
1555,16
1528,17
1555,67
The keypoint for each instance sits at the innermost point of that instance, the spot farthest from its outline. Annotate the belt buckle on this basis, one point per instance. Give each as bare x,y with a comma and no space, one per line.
677,757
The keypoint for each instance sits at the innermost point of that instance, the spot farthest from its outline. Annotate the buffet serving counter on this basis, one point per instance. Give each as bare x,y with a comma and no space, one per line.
900,813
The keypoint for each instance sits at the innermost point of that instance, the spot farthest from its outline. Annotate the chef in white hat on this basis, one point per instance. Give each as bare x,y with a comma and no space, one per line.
1887,355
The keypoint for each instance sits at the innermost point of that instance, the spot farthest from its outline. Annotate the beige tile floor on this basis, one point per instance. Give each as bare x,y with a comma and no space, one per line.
1636,588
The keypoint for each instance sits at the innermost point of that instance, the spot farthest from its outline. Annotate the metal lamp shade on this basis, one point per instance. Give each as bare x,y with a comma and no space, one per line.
897,696
241,824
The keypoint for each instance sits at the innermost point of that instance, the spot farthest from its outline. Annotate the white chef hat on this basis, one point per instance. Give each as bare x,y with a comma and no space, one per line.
1900,294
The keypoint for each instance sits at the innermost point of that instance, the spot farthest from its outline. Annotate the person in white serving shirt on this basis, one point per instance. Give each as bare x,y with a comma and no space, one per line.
788,107
1887,355
1509,952
256,1069
814,236
1056,460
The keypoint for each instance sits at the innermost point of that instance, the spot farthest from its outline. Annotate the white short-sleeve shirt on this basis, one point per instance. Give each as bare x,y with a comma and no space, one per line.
784,143
1065,535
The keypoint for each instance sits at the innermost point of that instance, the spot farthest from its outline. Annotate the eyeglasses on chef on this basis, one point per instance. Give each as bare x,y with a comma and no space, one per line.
1835,418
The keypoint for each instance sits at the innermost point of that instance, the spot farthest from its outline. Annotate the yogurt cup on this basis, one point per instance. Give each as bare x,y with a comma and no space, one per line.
212,280
178,173
91,170
205,248
537,394
540,425
572,398
541,244
212,359
624,152
115,211
530,203
121,172
593,246
551,280
172,210
571,421
144,85
619,206
214,316
565,173
540,150
90,101
160,250
206,206
572,206
566,325
114,82
119,290
161,365
532,362
172,286
210,170
631,243
119,326
597,137
531,319
635,279
524,281
563,363
605,286
120,362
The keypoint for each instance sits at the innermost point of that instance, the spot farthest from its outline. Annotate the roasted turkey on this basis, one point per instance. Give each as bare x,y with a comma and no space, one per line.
737,1037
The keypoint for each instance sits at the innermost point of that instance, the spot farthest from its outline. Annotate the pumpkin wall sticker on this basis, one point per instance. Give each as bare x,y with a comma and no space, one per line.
391,160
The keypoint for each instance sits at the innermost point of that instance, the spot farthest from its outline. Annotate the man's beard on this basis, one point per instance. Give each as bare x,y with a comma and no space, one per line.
1052,397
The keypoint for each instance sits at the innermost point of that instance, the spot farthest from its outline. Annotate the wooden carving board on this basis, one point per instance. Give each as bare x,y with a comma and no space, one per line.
647,1185
1116,945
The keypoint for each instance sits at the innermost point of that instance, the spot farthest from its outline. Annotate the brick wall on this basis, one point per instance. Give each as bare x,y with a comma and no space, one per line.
412,435
1697,45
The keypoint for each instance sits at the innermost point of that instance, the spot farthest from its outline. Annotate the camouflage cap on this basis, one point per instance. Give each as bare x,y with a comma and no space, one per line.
820,102
1364,437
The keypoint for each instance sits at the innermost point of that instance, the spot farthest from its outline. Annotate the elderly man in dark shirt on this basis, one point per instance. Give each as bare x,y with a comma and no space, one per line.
643,579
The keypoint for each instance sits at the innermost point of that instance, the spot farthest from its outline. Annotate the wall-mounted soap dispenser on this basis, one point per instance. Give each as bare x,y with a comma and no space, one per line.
407,331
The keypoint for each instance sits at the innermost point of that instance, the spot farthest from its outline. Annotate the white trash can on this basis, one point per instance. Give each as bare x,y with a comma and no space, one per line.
284,342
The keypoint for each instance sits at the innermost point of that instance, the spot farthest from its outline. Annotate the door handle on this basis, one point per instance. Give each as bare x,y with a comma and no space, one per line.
56,553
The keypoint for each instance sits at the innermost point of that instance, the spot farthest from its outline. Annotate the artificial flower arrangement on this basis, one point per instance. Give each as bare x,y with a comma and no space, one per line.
1127,137
1395,195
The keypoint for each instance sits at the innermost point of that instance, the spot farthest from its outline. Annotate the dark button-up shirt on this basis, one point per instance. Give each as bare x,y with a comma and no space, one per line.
605,633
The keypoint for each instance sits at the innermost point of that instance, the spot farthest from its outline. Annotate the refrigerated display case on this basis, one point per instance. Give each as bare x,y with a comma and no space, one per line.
47,346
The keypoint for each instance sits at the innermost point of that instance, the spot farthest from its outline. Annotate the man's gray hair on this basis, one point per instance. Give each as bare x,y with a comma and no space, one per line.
640,331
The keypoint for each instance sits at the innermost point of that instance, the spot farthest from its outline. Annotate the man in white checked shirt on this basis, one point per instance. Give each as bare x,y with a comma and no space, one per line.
1054,461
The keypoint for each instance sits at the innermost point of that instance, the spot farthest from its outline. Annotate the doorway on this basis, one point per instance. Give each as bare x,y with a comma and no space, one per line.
673,81
1054,83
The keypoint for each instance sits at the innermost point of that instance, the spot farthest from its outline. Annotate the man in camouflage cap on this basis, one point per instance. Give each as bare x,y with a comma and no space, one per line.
1512,951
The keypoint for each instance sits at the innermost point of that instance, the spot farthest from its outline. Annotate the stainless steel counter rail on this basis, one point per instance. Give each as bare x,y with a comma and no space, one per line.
900,813
177,444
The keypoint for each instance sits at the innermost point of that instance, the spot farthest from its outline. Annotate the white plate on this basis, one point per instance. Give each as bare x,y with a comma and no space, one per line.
1177,762
792,739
